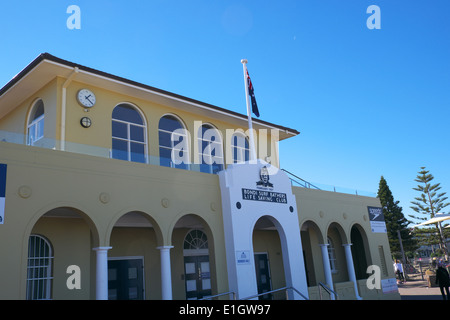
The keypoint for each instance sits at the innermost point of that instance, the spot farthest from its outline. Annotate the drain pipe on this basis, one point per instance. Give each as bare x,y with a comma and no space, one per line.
63,108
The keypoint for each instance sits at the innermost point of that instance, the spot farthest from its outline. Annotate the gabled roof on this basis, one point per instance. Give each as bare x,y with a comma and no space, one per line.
46,67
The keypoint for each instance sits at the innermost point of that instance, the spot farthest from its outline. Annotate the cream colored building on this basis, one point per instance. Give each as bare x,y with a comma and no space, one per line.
96,205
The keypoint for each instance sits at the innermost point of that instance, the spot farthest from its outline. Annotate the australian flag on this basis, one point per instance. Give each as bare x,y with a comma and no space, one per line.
252,96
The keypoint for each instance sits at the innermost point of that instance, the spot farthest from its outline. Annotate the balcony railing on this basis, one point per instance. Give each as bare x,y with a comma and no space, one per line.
48,143
54,144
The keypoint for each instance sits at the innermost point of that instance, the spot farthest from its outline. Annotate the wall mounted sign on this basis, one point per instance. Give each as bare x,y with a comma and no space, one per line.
264,190
2,192
243,257
376,217
263,195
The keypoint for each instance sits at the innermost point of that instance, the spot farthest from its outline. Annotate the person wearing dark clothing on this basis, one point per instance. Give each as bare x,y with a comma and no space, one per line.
443,279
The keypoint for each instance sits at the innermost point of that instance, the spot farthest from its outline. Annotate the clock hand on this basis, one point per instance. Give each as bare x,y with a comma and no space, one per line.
87,98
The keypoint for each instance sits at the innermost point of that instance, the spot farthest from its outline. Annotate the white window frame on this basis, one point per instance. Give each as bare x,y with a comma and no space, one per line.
35,128
37,283
201,155
332,255
240,149
128,140
203,251
172,147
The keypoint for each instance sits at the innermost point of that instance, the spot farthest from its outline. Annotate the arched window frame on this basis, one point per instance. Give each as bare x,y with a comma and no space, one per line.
204,158
195,243
130,142
173,143
39,268
240,152
35,123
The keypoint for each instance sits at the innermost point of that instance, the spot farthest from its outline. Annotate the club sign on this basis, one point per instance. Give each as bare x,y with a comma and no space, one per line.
264,190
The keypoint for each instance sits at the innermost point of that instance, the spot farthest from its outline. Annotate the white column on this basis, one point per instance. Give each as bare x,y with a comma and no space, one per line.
351,268
101,283
327,268
166,274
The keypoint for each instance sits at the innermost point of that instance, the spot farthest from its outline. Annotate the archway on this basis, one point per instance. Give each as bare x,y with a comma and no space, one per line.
268,258
193,258
69,234
336,238
360,251
312,238
134,260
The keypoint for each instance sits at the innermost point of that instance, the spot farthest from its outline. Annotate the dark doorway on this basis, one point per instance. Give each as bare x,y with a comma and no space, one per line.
126,279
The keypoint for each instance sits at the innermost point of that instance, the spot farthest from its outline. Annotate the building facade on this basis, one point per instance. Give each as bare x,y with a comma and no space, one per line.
112,189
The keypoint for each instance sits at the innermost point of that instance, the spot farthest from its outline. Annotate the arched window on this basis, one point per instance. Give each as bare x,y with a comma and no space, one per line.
39,270
129,133
240,148
195,240
36,123
332,255
210,150
173,143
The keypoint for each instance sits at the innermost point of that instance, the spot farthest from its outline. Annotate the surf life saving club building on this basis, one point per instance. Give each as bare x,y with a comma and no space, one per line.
112,189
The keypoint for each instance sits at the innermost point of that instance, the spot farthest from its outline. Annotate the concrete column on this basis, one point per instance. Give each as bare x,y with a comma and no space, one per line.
166,274
101,282
351,268
327,268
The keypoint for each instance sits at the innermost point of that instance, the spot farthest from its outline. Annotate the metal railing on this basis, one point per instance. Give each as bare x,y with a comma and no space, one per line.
232,293
303,183
277,290
297,181
331,292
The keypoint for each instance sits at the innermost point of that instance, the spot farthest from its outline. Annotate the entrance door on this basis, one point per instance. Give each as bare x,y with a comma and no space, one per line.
125,279
197,277
263,275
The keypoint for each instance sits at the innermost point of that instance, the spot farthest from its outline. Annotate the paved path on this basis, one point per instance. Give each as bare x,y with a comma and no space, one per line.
418,290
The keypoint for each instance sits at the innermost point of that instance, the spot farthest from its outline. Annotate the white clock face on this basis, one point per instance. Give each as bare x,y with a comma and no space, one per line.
86,98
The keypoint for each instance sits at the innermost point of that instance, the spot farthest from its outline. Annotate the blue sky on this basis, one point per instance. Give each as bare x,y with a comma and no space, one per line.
367,102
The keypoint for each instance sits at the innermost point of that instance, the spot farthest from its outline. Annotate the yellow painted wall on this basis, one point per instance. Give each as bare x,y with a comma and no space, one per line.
268,241
99,134
40,180
60,179
16,120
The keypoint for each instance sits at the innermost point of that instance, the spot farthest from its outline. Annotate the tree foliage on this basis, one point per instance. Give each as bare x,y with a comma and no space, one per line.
430,201
395,220
427,205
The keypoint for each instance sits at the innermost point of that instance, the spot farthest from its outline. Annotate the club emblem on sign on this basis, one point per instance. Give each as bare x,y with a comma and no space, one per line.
264,178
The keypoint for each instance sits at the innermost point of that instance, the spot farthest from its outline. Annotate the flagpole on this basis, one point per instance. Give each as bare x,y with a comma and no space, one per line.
249,114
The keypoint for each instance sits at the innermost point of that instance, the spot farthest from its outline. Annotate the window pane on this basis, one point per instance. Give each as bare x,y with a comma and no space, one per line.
165,157
164,139
127,113
119,130
136,133
119,149
169,123
32,134
40,129
38,110
138,152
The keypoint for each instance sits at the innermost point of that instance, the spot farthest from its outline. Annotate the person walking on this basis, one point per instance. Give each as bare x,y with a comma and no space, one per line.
443,279
399,271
